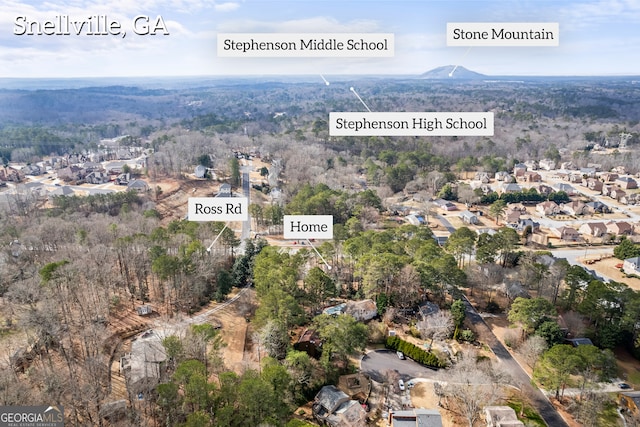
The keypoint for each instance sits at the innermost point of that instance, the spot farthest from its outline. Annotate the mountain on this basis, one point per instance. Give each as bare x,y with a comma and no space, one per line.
447,72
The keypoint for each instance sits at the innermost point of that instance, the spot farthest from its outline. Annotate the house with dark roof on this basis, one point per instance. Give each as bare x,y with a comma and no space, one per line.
334,408
578,341
619,228
445,205
309,342
626,182
594,184
138,186
597,207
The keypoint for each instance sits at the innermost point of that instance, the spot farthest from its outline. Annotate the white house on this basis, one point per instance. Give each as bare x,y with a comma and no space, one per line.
631,265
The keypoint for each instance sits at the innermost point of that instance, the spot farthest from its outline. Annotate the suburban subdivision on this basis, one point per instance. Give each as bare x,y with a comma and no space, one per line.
208,254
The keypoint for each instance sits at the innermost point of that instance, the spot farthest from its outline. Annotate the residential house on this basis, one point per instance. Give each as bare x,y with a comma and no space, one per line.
503,176
593,229
138,185
607,189
567,234
597,207
469,217
64,191
567,166
617,193
548,208
92,166
445,205
310,343
630,199
509,187
512,216
519,169
489,231
531,176
631,266
594,184
547,164
576,178
483,177
574,208
539,238
32,169
567,188
543,189
96,177
418,417
609,176
362,310
334,408
11,174
590,172
619,228
144,365
356,386
527,222
71,173
501,416
531,165
626,182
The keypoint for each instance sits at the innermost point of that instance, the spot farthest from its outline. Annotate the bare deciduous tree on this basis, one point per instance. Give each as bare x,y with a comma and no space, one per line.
532,348
473,385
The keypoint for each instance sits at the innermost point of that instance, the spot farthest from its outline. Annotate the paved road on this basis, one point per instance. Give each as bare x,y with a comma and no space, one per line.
375,363
572,255
246,225
537,398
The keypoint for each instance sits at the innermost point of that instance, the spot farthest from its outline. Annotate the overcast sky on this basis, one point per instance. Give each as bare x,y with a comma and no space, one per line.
599,37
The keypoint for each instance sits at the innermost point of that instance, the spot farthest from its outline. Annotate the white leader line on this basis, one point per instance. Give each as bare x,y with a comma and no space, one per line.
358,96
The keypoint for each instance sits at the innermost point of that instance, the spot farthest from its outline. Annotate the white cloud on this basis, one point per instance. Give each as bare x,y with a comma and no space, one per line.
226,7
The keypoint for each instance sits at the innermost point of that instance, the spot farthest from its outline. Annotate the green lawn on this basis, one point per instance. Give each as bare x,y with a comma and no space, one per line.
530,418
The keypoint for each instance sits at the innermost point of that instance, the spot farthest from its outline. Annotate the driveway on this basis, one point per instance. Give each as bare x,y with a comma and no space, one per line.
376,362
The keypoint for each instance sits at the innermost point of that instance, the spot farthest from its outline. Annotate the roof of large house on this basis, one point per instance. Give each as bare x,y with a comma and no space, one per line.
417,417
